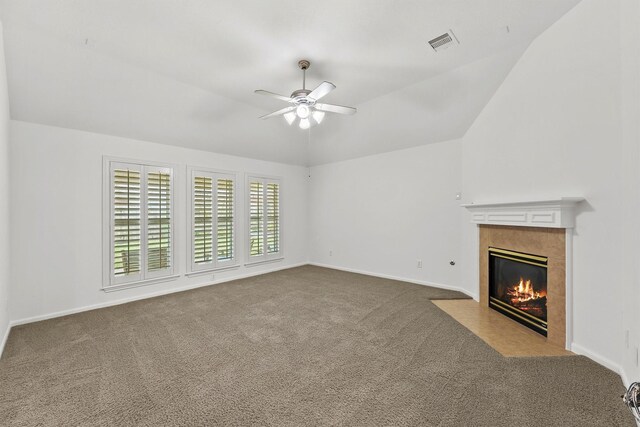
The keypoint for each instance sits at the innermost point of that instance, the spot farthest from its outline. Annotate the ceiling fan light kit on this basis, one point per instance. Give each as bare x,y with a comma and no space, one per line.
305,107
290,117
302,111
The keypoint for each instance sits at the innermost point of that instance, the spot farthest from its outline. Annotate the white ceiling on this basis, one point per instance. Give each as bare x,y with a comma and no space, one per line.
183,72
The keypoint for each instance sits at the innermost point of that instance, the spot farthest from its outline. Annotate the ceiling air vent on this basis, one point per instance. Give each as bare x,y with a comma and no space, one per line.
444,41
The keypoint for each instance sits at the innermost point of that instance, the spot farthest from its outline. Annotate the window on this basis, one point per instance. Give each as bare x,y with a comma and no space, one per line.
139,224
212,220
264,219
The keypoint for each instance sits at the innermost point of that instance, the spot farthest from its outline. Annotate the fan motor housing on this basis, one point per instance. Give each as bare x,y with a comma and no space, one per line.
300,97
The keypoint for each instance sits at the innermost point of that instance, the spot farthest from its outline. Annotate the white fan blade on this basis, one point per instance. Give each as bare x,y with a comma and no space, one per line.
330,108
322,89
275,95
279,112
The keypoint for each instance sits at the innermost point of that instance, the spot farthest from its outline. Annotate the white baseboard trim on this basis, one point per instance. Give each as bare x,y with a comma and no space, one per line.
625,378
601,360
4,339
145,296
401,279
626,382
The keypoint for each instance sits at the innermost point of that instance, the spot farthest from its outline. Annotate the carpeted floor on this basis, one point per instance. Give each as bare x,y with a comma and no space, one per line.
304,346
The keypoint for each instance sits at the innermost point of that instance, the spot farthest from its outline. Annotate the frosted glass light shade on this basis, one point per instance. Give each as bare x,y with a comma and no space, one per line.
302,111
290,117
304,124
318,116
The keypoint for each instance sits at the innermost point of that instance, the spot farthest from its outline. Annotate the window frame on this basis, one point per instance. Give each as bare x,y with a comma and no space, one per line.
265,257
109,281
216,265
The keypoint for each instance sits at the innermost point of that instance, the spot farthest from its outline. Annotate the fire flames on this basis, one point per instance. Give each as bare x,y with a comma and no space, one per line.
523,292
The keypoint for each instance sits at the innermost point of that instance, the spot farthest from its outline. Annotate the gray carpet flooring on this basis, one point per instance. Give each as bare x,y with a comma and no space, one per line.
304,346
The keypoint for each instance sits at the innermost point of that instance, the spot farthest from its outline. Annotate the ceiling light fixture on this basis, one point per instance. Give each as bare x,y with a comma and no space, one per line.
318,116
302,111
290,117
304,103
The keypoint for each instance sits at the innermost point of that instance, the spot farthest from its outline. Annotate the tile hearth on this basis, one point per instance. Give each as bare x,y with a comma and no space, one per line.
501,333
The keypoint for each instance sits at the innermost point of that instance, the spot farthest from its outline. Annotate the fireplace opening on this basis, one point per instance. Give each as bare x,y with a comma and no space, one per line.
518,287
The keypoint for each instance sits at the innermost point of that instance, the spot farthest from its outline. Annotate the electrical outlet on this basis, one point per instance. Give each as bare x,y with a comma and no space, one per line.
419,263
330,253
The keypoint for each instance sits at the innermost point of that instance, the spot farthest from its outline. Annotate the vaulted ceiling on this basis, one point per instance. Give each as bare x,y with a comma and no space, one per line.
183,72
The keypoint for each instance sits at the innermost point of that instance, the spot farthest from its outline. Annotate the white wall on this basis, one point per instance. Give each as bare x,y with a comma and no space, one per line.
56,189
380,214
630,92
5,251
554,128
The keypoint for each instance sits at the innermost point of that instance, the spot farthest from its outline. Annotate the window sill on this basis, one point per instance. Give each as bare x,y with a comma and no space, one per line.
212,270
266,261
123,286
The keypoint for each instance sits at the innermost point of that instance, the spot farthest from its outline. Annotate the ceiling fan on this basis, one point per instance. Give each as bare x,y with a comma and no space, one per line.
305,105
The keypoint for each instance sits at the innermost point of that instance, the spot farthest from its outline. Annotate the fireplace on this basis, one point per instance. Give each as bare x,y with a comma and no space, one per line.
518,287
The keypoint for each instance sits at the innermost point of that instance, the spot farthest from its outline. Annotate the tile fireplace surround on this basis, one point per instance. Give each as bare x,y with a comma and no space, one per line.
542,228
549,242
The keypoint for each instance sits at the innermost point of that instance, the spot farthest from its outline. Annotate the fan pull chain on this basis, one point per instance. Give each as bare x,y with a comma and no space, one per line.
309,148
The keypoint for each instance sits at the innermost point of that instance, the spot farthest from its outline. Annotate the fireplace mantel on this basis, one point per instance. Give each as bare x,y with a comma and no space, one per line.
554,213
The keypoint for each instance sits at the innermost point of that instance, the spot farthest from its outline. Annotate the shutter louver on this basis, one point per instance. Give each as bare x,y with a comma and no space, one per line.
158,221
273,218
126,222
225,219
256,218
202,217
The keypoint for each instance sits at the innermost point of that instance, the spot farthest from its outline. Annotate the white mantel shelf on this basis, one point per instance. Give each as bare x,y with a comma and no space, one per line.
554,213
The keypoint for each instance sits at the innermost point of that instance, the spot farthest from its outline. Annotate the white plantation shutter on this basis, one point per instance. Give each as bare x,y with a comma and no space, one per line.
159,237
140,229
264,219
126,222
212,223
273,217
202,220
225,213
256,218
